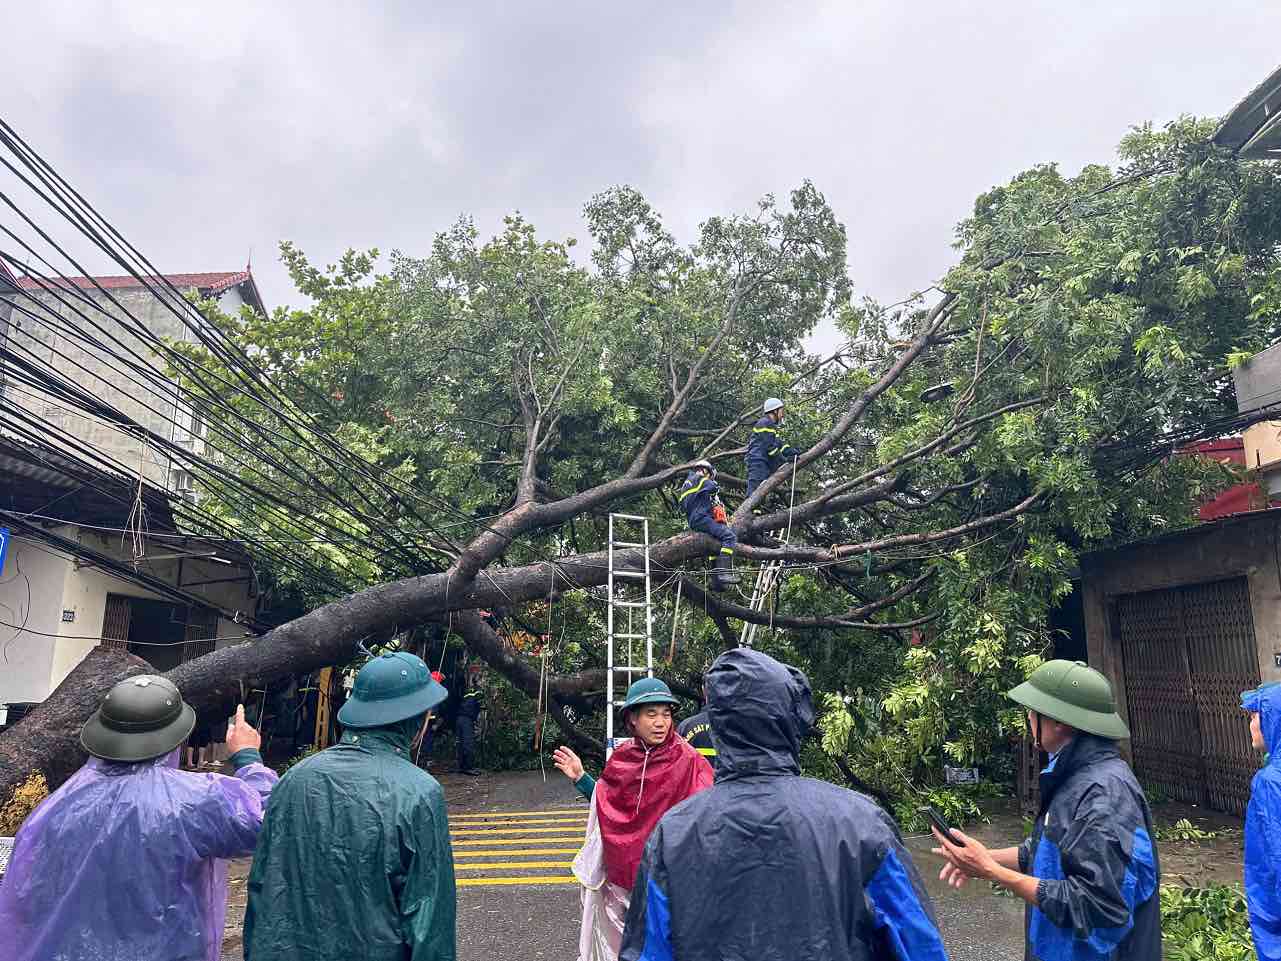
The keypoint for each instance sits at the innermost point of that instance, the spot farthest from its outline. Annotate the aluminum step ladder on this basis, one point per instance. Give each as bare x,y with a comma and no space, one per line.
623,622
768,576
766,579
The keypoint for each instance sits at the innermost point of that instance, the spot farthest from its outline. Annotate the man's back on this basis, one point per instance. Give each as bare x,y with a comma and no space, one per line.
354,859
777,868
126,860
770,865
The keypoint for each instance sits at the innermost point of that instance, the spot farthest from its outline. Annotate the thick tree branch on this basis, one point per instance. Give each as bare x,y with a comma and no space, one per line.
937,315
718,607
682,397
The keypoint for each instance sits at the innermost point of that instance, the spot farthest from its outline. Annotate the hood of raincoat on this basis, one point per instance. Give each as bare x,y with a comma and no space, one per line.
635,790
1267,701
769,864
125,861
1262,816
761,710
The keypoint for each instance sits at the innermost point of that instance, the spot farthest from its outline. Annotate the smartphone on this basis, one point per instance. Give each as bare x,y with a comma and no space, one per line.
943,827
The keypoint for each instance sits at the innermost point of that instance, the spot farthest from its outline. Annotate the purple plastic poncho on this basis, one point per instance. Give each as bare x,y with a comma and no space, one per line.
126,862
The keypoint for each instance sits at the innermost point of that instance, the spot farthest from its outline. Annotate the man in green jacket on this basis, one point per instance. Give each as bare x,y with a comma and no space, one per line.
354,859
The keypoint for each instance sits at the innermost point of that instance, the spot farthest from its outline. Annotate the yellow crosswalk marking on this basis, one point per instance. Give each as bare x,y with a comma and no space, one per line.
469,823
486,852
497,830
522,814
482,882
508,836
478,843
512,865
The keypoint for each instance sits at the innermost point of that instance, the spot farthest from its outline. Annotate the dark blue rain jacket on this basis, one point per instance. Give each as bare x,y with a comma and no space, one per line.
769,865
1263,829
696,498
766,452
1093,850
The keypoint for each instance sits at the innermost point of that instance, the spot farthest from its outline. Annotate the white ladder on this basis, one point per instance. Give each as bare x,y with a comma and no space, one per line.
628,670
766,579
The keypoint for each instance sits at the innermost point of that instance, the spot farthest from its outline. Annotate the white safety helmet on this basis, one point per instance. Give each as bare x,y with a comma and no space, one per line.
705,465
771,404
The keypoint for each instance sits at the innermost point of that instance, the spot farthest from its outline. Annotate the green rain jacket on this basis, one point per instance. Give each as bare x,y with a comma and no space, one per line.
353,860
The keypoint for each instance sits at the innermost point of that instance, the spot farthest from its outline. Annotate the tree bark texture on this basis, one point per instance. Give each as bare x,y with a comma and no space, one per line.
48,739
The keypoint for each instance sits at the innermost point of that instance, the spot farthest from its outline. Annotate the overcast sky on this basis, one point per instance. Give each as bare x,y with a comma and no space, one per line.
207,130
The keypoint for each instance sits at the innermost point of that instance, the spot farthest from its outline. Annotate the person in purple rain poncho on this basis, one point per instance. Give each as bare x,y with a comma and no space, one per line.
126,860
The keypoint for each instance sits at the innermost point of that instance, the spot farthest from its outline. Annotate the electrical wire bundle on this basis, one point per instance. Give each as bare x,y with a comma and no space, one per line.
75,350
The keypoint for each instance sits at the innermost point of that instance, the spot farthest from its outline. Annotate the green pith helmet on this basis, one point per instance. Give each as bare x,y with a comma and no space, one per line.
392,687
141,718
1075,694
648,690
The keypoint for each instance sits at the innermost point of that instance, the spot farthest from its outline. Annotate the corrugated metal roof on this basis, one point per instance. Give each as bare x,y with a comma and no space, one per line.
1253,127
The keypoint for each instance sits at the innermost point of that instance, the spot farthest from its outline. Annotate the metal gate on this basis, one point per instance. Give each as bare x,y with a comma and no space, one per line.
1188,653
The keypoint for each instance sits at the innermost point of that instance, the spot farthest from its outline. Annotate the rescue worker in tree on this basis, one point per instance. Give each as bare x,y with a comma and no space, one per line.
645,777
1089,873
700,498
354,860
127,859
766,450
1263,823
768,864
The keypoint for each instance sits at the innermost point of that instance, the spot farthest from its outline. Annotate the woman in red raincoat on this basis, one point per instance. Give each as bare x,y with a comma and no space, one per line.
644,778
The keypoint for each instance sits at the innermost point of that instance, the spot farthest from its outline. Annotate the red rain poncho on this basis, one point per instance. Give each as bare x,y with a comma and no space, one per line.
635,790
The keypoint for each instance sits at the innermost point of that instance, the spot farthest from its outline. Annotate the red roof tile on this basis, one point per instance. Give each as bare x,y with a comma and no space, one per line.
209,284
214,283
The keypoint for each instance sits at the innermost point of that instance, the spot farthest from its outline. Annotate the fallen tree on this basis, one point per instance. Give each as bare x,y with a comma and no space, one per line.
955,454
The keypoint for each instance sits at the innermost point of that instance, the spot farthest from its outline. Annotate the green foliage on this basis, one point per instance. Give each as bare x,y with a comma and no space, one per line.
1184,830
957,806
1205,924
1095,321
296,759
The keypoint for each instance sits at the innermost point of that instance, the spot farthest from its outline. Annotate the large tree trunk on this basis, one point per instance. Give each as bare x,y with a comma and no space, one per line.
48,739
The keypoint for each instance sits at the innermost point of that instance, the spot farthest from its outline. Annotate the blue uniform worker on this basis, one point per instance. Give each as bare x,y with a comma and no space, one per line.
698,497
1089,873
767,451
1263,824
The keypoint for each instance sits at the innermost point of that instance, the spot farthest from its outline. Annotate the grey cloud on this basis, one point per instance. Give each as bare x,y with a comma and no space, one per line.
203,134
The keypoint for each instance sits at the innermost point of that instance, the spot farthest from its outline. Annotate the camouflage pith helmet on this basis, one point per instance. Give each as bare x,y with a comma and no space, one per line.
141,718
1074,694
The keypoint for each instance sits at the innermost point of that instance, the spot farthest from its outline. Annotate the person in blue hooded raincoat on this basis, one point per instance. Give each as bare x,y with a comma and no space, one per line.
127,859
1263,824
769,865
1089,872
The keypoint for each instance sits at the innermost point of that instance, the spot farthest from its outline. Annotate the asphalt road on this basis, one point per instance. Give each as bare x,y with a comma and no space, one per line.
514,837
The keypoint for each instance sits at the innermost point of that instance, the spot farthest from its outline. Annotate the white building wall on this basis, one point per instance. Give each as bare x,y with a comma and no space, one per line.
31,590
39,663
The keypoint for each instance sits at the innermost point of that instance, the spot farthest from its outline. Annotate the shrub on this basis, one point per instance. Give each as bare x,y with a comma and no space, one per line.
1205,924
297,758
22,802
1183,830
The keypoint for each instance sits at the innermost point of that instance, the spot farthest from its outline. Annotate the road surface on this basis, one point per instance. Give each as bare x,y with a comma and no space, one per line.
514,838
